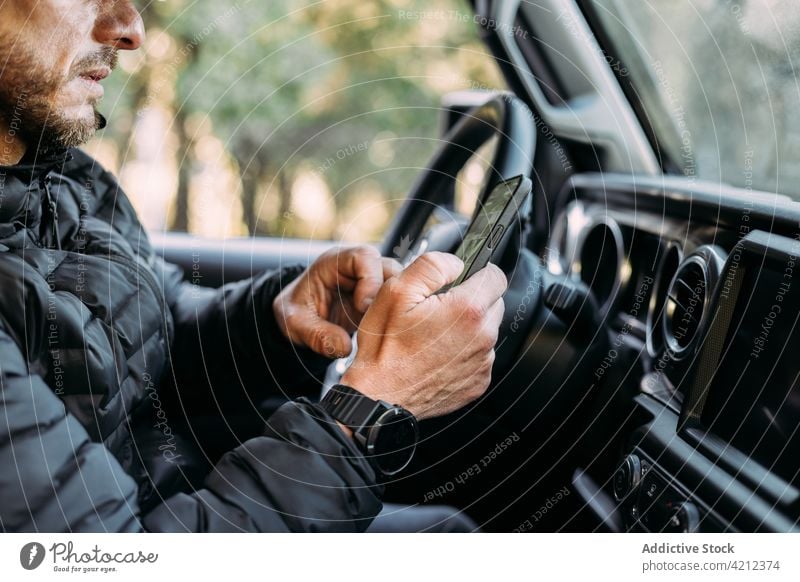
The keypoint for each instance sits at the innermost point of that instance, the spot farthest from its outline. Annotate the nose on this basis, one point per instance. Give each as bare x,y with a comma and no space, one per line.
119,25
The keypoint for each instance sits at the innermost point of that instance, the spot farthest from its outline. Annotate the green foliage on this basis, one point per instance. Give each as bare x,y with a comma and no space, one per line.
291,84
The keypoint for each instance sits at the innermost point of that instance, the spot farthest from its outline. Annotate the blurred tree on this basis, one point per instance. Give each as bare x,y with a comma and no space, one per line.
344,90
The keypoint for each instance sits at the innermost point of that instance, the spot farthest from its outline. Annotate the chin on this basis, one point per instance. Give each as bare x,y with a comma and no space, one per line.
83,114
74,125
68,132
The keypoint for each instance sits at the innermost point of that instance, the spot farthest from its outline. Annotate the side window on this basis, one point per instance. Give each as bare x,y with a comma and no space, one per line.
285,118
719,83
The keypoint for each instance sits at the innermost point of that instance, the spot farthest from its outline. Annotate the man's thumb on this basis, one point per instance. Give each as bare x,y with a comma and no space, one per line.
429,273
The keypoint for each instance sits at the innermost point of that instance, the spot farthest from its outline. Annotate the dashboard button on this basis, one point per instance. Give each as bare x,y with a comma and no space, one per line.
653,487
627,477
685,518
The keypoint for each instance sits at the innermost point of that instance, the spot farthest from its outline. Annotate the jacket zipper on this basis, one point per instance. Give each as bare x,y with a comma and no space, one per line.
49,216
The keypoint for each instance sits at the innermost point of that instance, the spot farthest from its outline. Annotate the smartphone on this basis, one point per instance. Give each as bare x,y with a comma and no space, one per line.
492,220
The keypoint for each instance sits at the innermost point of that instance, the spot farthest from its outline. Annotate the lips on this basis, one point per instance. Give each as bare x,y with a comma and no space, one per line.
96,75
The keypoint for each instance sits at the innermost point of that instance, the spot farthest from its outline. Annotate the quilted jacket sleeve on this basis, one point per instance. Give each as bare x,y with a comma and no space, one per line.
303,474
52,477
228,352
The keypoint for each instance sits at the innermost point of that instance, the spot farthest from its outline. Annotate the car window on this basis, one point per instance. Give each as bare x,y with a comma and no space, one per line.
718,82
285,118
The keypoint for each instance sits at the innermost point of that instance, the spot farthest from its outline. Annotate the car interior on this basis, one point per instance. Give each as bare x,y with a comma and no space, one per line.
647,376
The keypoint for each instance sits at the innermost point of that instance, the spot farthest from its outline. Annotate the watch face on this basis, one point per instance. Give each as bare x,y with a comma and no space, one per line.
392,440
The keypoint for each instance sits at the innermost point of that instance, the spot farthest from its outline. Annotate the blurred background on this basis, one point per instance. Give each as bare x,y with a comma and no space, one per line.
287,118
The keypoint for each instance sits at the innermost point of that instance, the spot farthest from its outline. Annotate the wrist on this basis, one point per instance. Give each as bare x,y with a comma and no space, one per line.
345,429
378,388
387,435
366,384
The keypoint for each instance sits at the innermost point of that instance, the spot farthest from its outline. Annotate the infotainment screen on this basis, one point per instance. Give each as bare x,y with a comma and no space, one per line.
753,398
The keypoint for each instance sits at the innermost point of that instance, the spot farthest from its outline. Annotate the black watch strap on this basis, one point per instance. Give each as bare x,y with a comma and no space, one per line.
386,434
351,407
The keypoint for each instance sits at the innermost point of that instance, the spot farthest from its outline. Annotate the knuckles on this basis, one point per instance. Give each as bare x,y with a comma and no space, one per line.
470,310
329,255
337,255
391,288
485,364
479,388
490,358
364,252
486,341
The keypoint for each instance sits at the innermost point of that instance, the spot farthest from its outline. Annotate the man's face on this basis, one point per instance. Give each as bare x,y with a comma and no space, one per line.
53,55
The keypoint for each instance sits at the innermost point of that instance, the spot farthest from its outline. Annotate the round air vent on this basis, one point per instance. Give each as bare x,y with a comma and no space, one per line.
685,304
601,259
667,268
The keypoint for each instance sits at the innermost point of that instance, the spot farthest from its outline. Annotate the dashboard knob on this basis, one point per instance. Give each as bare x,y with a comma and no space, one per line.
575,304
627,477
686,519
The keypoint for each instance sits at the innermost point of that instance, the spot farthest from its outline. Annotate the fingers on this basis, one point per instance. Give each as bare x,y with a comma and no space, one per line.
391,268
429,273
484,329
494,317
483,289
323,337
366,266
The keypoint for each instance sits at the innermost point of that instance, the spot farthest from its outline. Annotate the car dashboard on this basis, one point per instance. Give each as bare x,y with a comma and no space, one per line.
700,282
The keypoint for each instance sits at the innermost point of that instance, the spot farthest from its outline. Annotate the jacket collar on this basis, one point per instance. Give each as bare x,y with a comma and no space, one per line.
35,165
24,189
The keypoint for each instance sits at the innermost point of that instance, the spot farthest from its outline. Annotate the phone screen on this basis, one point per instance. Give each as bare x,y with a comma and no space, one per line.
486,216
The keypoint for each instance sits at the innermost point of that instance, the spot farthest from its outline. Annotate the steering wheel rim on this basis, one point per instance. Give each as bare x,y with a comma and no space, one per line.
503,115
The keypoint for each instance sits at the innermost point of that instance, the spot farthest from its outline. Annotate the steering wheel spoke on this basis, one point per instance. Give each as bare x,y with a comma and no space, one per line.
503,116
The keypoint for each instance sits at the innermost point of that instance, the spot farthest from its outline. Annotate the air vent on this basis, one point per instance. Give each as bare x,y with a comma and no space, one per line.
686,300
601,258
669,265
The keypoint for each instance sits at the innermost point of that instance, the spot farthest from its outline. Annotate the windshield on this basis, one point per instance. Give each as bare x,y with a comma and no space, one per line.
718,83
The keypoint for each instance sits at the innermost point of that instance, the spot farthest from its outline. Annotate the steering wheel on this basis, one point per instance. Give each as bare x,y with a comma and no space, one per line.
502,115
508,118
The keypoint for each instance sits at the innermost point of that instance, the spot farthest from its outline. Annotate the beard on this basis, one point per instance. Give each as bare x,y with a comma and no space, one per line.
28,94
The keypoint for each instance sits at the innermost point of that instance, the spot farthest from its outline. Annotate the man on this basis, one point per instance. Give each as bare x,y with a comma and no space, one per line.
94,327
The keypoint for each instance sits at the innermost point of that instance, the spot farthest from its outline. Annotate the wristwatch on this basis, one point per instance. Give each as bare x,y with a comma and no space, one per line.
386,434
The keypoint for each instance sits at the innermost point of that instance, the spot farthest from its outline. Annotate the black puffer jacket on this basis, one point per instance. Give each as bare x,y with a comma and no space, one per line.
93,326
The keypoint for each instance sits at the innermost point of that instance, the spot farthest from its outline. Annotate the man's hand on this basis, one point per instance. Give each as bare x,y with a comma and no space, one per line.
431,354
323,307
